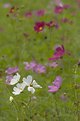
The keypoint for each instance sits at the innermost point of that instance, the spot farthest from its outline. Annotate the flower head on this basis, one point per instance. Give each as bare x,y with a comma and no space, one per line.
52,24
59,52
13,80
58,9
12,70
39,26
28,14
19,88
40,12
30,66
56,85
58,2
32,84
40,69
52,65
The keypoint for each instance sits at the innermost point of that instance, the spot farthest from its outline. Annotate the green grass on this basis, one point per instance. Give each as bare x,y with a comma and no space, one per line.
16,49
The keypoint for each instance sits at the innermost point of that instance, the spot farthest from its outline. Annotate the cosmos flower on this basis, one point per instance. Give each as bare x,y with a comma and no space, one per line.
56,85
32,84
39,26
58,9
6,5
12,70
14,79
28,14
19,88
52,65
52,24
30,66
40,69
59,52
40,12
58,3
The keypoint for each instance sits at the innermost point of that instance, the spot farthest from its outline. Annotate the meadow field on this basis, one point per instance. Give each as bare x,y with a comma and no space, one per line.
39,60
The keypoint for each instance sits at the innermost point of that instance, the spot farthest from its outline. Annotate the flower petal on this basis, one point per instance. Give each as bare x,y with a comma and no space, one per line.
16,91
28,80
31,89
15,79
35,85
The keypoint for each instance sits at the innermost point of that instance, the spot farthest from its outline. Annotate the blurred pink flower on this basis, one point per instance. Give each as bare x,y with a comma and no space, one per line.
59,52
58,9
40,12
29,66
40,69
53,65
6,5
64,97
12,70
58,2
56,85
28,14
52,24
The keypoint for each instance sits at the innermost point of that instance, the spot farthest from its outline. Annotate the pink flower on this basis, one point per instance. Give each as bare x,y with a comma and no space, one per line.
53,65
56,85
12,70
52,24
59,52
40,12
58,2
40,69
28,14
39,26
6,5
30,66
58,9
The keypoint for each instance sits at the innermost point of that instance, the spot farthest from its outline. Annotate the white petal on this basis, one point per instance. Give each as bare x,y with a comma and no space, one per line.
21,86
35,85
28,80
16,91
31,89
15,79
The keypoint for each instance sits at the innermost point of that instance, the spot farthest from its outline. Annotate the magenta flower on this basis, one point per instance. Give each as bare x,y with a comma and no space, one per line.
40,69
30,66
28,14
12,70
52,24
58,9
39,26
56,85
40,12
59,52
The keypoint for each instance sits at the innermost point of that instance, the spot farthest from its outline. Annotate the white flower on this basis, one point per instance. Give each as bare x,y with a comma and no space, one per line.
15,79
10,98
19,88
32,84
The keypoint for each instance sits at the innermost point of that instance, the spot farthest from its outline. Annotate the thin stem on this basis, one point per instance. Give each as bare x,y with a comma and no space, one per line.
56,107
